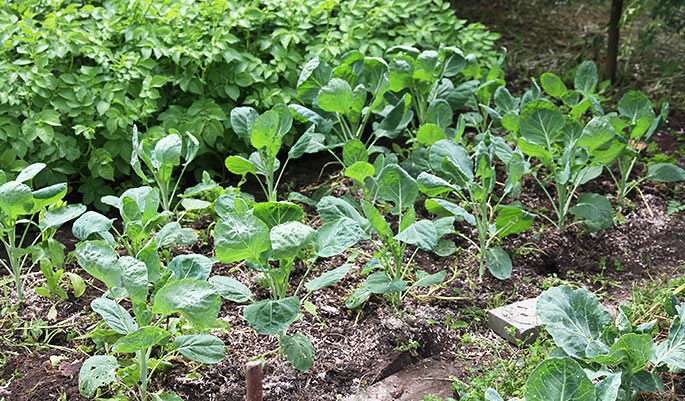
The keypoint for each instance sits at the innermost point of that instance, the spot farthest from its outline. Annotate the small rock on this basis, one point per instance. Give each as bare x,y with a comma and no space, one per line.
520,316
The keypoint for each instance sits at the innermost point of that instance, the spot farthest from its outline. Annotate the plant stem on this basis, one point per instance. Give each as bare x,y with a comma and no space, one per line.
142,363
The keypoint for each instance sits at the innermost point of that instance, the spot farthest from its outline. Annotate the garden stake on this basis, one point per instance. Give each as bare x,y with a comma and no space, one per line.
254,381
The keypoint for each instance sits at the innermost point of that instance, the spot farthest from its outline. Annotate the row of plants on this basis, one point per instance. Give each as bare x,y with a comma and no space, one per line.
467,173
78,75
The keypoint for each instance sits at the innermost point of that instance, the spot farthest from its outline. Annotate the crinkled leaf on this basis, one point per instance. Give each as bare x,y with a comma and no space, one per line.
116,317
329,278
97,371
559,380
203,348
275,213
197,300
141,339
231,289
498,262
270,316
335,237
422,234
573,318
240,236
299,350
192,266
380,283
288,239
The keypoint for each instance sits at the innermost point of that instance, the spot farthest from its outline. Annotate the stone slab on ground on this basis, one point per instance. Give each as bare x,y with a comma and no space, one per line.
519,315
429,376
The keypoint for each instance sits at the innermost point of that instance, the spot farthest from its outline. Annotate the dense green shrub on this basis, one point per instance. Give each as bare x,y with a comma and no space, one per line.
78,74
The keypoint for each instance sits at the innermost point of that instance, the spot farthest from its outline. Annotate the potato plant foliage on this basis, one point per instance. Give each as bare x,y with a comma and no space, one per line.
76,77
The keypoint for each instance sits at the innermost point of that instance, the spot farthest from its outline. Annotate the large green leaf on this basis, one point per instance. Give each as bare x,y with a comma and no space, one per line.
672,351
97,371
299,350
573,318
204,348
16,199
134,278
446,208
336,96
428,134
607,388
498,262
270,316
447,153
275,213
116,317
635,106
142,339
329,278
54,218
266,132
595,209
100,261
240,236
331,209
288,239
29,172
439,114
586,77
596,133
665,172
632,349
541,122
193,266
197,300
48,196
422,234
559,380
315,74
335,237
90,223
552,84
433,185
376,220
239,165
168,150
243,120
380,283
231,289
354,151
512,219
398,187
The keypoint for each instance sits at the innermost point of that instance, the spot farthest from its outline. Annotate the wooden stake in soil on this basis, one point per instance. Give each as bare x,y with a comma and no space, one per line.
254,381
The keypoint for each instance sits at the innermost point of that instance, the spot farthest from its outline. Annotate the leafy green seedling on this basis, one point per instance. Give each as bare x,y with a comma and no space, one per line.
636,123
141,219
343,100
388,182
265,133
273,232
161,156
472,180
179,288
19,205
573,153
428,76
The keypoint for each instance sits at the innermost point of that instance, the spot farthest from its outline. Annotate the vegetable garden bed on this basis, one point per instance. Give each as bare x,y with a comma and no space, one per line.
369,224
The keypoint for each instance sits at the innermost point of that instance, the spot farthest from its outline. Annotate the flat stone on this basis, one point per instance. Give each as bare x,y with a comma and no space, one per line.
520,316
430,376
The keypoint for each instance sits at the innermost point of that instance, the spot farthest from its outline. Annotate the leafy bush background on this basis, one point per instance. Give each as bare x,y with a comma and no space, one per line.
78,74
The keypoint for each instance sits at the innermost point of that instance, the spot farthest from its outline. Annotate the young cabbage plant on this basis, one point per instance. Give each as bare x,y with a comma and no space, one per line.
265,133
472,180
161,156
143,224
636,124
429,77
390,184
598,359
573,154
155,292
344,99
19,206
270,236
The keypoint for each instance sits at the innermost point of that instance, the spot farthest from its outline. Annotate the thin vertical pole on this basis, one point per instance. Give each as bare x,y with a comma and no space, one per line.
254,381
